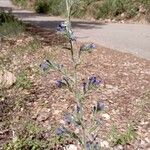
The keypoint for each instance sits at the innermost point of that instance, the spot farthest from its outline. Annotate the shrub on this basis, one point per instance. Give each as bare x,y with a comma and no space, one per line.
114,8
42,6
123,138
49,6
23,81
22,3
9,26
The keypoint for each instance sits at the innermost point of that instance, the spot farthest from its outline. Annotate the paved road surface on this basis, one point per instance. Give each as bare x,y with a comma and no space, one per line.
130,38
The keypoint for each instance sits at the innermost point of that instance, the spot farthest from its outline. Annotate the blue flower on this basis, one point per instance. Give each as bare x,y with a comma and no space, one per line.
87,47
72,38
96,146
77,108
92,46
68,118
93,81
99,107
88,145
45,65
60,131
61,27
59,83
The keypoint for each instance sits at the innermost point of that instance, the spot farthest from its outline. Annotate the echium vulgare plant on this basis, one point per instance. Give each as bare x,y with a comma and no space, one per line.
86,137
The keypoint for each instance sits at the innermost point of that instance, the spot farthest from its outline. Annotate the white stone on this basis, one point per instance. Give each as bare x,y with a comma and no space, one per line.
106,116
105,144
71,147
7,79
119,147
122,15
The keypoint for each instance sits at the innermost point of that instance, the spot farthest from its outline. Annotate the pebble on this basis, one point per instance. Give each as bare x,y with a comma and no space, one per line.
71,147
104,144
106,116
7,79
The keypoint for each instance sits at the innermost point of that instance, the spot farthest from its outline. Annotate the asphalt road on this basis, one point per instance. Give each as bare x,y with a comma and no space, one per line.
129,38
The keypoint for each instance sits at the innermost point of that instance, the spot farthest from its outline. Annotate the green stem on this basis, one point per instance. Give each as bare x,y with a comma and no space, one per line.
77,93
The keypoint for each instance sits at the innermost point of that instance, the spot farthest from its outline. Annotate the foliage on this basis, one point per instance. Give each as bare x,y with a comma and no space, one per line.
123,138
114,8
88,139
9,26
91,8
48,6
23,81
22,3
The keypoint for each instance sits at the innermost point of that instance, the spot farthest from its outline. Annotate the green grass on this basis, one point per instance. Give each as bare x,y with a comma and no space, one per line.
29,47
23,81
49,6
114,8
22,3
92,8
124,138
9,26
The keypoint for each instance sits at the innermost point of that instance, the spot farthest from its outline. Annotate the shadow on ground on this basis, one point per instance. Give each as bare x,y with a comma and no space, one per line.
45,21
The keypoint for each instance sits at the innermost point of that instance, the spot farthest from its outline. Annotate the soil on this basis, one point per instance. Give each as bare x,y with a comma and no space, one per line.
124,89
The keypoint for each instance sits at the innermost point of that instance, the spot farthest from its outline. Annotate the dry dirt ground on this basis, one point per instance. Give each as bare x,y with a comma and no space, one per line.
125,89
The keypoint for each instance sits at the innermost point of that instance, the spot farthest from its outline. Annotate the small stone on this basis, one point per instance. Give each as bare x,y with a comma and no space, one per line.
56,112
142,10
119,147
122,15
71,147
114,21
7,79
104,144
62,122
43,115
122,21
106,116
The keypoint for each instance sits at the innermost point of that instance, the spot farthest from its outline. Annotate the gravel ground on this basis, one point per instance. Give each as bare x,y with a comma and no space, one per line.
124,89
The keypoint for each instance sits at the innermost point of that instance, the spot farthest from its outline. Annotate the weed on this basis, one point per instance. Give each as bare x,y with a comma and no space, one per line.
23,81
49,6
9,26
114,8
88,137
31,46
42,6
22,3
123,138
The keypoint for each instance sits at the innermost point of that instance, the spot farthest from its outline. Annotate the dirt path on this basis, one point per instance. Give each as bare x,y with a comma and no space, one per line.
129,38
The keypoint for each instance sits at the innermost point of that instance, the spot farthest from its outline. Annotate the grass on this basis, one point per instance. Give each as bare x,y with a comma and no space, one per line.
122,138
23,81
28,47
93,8
26,138
9,26
21,3
49,7
114,8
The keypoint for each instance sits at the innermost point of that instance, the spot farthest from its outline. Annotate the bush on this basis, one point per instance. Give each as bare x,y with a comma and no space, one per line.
48,6
9,26
146,4
4,17
42,6
23,81
114,8
22,3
